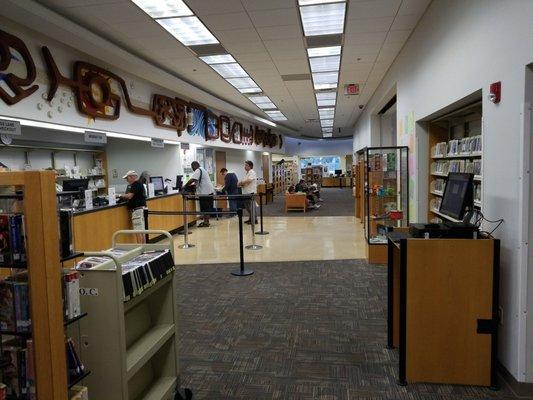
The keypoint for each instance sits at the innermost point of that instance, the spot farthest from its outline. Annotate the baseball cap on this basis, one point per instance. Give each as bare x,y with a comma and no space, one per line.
130,173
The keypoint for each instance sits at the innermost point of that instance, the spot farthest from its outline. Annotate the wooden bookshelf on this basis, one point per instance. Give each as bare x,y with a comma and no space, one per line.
44,279
460,124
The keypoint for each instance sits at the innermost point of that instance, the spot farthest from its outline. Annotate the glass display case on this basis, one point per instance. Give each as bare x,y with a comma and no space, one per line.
386,191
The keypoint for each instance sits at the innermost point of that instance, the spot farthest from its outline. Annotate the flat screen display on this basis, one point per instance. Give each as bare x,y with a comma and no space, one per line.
159,186
457,194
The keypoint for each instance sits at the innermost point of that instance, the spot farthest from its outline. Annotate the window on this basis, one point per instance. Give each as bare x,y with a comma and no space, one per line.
331,162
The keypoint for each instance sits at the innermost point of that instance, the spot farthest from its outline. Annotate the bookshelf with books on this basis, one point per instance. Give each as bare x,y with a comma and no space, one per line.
132,320
34,346
386,196
278,177
455,145
313,174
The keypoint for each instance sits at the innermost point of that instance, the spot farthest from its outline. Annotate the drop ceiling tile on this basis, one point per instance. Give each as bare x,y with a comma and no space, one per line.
256,56
280,32
288,67
210,7
237,35
279,17
256,5
141,29
372,38
115,13
405,21
259,66
398,36
244,47
286,44
354,49
278,55
413,7
77,3
392,47
363,58
373,9
363,25
228,21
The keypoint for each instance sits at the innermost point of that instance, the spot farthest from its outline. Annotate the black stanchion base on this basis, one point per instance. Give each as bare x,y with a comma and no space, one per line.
261,233
253,247
238,272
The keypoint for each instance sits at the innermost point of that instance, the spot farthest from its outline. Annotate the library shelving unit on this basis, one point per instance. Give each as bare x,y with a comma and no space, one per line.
291,173
359,182
35,199
455,145
313,174
284,175
386,197
129,345
278,175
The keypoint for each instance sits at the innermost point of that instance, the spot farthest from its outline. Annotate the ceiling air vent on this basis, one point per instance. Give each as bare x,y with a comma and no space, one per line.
296,77
324,40
208,49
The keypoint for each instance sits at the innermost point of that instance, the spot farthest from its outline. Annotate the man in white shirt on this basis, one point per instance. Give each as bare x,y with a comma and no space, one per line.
249,186
204,188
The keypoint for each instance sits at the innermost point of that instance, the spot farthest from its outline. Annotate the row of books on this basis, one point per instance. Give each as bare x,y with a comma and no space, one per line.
19,370
456,147
75,367
477,191
468,166
434,204
78,393
71,294
139,273
382,162
12,240
437,185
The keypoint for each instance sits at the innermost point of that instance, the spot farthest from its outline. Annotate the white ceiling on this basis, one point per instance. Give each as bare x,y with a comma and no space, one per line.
266,38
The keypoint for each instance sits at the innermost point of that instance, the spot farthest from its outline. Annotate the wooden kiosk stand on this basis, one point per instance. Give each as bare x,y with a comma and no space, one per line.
443,308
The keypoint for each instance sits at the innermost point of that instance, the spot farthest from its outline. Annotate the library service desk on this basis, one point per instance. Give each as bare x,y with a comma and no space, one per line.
92,229
443,308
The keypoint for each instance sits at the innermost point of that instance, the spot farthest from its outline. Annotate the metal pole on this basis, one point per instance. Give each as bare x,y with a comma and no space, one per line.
253,246
261,232
186,244
241,271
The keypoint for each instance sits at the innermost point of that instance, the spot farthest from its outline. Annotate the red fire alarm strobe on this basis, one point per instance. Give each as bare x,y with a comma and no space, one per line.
495,94
351,89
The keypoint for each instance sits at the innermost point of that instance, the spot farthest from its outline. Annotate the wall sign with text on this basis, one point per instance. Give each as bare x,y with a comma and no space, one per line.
101,94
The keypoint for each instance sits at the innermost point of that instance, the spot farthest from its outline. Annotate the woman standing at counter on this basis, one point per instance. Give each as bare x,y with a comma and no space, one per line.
136,198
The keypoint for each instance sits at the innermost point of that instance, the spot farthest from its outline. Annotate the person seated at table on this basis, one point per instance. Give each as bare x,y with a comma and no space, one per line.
291,189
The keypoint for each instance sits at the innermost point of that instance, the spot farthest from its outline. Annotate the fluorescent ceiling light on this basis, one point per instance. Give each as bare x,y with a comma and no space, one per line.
326,112
242,83
173,142
310,2
48,125
251,90
326,123
324,51
324,103
128,136
327,130
265,121
164,8
259,99
266,106
276,115
218,59
325,80
327,135
326,95
324,64
232,70
325,19
188,30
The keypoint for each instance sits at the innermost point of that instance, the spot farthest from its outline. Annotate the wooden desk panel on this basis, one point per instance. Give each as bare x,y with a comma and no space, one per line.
449,287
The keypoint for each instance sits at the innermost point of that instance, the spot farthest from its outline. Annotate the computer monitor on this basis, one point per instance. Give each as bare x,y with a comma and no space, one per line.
457,195
338,172
159,186
75,185
179,182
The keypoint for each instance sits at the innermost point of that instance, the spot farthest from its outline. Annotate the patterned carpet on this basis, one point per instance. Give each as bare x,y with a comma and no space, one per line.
337,202
294,331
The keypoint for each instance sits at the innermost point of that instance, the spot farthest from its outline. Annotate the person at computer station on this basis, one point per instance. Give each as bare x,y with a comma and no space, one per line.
136,198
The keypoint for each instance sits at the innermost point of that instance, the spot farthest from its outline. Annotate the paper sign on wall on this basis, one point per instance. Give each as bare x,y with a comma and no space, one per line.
95,137
151,190
185,146
111,196
88,199
8,127
159,143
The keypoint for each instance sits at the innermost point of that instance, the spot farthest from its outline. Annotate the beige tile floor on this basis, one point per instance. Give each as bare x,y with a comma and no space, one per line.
289,239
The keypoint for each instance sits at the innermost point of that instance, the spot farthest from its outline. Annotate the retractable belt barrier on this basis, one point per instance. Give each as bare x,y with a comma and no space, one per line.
241,271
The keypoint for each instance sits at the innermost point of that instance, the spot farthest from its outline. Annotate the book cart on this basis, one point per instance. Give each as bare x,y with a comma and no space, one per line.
129,341
386,197
32,195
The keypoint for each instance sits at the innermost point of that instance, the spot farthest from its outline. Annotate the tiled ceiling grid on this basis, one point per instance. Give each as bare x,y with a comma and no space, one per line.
266,38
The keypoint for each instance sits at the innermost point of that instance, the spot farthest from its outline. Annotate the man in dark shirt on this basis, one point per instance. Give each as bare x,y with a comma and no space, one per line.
136,202
230,187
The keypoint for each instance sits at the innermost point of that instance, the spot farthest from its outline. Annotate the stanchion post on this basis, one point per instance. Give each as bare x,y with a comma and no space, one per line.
146,236
186,244
241,271
261,232
253,246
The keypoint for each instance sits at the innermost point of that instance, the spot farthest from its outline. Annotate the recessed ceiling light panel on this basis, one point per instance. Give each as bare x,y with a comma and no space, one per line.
324,51
231,70
325,64
218,59
256,89
325,80
311,2
188,30
323,19
164,8
242,83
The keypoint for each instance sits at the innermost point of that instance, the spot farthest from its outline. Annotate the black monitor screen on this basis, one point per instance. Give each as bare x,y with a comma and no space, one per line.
179,182
338,171
159,186
457,194
75,185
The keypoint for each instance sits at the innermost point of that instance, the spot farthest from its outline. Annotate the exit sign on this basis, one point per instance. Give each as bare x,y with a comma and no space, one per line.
351,89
